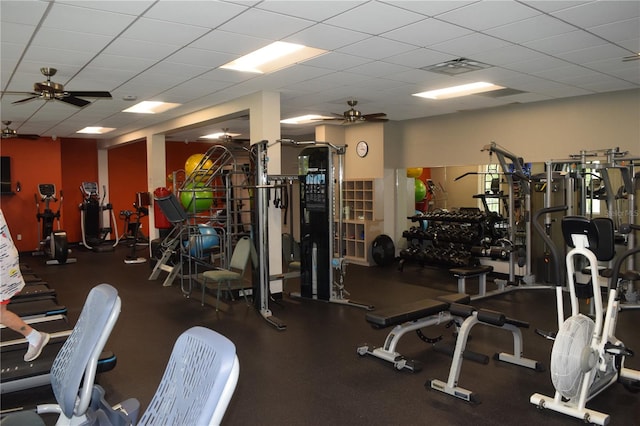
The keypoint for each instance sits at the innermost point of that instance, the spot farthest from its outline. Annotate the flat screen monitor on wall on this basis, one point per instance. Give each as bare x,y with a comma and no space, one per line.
5,175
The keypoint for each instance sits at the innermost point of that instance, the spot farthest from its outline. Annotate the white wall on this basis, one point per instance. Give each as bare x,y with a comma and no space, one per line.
537,131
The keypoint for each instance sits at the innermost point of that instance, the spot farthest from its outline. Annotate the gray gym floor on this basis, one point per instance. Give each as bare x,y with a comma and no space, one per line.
310,374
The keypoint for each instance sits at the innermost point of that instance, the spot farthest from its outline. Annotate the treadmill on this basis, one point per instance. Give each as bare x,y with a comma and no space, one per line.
17,375
37,306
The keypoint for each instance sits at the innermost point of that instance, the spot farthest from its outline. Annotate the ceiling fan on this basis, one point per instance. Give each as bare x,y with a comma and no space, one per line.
227,137
8,133
352,115
49,90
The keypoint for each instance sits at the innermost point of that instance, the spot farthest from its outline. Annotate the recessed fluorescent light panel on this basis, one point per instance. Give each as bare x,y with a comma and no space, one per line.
273,57
305,119
456,91
151,107
220,135
96,130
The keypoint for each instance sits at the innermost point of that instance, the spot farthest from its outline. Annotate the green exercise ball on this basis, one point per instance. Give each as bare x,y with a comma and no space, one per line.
196,198
421,190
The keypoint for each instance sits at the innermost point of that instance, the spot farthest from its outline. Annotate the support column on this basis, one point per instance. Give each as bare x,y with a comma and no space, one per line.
103,185
265,125
156,173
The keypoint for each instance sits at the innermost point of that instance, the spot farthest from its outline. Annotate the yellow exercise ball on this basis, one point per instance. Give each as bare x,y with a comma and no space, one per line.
193,161
414,172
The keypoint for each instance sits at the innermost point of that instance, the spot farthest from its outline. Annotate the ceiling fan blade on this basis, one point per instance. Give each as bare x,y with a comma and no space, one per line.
377,120
73,101
374,115
25,100
28,136
89,94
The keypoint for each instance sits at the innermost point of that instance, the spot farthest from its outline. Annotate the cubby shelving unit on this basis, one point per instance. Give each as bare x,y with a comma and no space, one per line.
362,218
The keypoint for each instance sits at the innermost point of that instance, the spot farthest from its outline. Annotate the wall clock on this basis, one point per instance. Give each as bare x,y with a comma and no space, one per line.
362,148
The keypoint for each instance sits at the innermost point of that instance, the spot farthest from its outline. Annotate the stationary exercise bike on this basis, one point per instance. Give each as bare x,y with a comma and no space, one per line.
587,357
94,234
53,243
133,230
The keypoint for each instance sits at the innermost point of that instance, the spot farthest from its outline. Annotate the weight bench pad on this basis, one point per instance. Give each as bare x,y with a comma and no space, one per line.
407,312
471,271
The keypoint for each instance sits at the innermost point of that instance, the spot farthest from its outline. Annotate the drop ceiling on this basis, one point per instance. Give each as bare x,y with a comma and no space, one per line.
377,53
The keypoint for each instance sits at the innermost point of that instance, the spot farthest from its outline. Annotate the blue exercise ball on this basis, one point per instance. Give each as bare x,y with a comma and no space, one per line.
206,240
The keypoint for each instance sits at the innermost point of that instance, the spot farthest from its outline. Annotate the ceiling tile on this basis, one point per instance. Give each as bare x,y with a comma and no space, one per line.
565,42
228,42
264,24
430,8
207,14
507,55
595,53
374,18
200,57
50,55
139,49
600,12
326,37
488,14
313,10
86,20
15,33
124,7
540,26
22,12
467,46
618,31
419,58
337,61
376,48
64,39
157,31
427,32
378,69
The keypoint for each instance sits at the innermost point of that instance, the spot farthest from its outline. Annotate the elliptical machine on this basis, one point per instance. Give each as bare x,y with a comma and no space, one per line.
94,234
53,243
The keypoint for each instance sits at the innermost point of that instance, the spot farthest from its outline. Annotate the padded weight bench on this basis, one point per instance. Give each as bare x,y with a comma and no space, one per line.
471,272
408,317
492,319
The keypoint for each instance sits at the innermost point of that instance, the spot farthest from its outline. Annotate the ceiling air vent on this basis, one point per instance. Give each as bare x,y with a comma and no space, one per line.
457,66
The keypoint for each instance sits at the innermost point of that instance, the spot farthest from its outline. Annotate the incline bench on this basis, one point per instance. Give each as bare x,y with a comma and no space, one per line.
423,313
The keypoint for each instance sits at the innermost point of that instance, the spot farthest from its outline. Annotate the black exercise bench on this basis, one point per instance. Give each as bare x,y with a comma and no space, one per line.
455,308
480,272
411,316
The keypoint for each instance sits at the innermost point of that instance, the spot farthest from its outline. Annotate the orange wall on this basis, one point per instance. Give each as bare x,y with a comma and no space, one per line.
79,164
127,176
32,162
67,163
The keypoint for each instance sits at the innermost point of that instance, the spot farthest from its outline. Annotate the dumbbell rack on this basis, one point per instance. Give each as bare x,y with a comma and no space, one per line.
448,238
